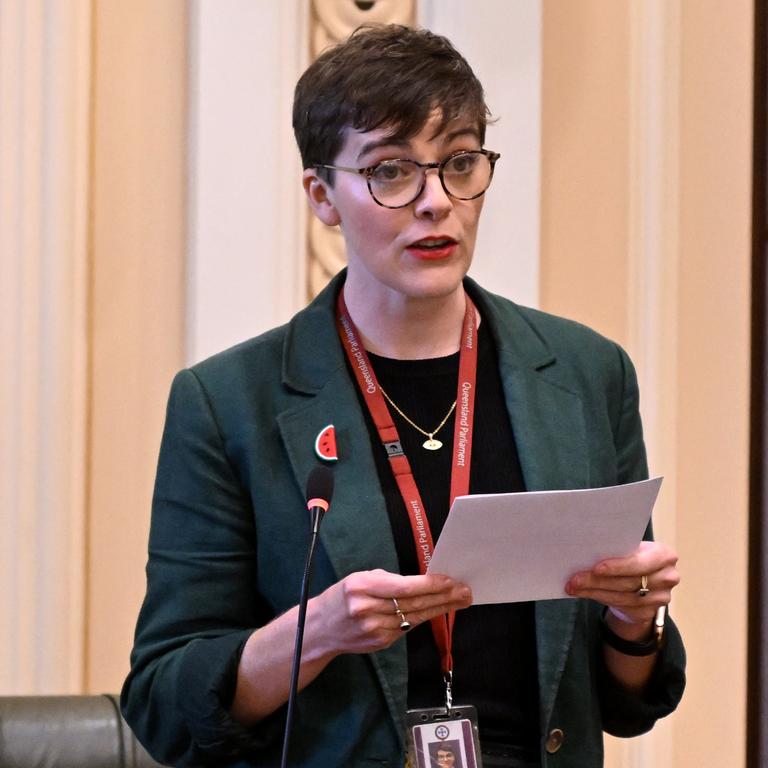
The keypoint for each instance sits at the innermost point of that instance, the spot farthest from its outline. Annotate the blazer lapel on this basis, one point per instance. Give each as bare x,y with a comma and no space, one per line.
549,433
548,424
355,533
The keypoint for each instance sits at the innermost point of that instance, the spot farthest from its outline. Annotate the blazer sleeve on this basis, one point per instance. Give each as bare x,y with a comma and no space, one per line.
202,601
625,713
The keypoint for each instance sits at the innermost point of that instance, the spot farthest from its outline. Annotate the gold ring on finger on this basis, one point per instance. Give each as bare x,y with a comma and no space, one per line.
643,591
405,625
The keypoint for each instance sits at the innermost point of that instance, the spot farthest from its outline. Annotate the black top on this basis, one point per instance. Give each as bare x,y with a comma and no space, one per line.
494,646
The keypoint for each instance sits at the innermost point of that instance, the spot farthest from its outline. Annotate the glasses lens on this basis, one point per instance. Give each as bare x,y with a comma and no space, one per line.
395,182
467,175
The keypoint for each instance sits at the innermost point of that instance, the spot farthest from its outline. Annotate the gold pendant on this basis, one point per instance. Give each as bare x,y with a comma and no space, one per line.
432,444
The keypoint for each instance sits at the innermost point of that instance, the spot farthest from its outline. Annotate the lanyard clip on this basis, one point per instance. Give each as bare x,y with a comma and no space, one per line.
448,678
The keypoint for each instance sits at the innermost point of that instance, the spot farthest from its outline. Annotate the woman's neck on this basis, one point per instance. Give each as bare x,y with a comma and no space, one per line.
407,328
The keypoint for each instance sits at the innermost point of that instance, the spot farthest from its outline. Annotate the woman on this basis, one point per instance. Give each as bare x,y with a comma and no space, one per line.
391,126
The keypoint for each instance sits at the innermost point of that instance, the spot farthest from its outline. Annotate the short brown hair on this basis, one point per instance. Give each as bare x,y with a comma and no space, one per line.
383,76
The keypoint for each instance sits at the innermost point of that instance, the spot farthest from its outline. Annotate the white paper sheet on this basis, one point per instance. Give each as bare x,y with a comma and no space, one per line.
510,547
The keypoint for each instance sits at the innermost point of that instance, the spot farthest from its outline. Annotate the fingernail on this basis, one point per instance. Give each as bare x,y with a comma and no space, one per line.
569,588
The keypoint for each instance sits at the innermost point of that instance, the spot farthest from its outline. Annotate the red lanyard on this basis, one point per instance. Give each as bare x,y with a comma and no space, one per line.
442,626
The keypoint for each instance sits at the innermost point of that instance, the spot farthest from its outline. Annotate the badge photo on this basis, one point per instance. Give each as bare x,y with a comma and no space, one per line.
448,744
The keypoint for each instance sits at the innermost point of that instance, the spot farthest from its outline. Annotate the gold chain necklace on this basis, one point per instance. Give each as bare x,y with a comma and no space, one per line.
430,443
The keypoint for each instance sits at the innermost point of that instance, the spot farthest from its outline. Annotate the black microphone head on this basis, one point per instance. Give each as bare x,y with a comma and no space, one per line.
320,484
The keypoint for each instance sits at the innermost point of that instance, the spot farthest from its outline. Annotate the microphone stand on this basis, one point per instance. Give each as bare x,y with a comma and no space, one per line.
317,516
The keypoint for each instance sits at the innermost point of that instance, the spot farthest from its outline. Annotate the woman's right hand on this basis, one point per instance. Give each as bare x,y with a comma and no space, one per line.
357,614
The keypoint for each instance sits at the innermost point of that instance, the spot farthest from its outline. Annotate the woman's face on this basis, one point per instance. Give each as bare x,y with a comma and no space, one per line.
445,758
388,249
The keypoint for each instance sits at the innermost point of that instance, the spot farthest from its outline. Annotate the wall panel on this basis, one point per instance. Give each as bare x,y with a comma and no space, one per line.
136,302
645,236
44,107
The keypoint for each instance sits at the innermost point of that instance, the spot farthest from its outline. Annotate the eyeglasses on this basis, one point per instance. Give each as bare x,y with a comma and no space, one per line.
464,175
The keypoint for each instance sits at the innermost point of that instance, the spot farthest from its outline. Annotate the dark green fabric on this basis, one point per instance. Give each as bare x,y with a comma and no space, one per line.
229,534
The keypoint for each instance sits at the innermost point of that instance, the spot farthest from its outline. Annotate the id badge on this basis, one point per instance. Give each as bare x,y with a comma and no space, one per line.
440,738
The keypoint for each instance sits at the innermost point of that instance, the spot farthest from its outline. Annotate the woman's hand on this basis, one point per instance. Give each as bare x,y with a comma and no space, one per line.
357,614
617,582
633,588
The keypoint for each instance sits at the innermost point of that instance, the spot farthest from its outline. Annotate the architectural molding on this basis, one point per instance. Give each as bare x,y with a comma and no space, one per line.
654,193
45,100
653,253
136,303
330,23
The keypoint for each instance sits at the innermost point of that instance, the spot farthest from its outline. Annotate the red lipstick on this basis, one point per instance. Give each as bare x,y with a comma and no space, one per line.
433,247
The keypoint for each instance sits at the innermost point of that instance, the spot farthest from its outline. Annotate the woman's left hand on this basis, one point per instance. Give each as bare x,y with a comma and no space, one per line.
617,582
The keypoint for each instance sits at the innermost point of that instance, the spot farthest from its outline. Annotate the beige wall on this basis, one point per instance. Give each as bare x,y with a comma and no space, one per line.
92,199
44,109
136,303
713,394
584,154
624,229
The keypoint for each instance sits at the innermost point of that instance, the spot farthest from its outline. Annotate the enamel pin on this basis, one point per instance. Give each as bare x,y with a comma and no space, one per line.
325,444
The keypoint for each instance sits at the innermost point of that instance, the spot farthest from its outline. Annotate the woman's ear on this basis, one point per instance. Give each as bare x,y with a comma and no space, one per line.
320,196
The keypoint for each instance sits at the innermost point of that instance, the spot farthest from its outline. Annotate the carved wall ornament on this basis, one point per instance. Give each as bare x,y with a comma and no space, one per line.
332,21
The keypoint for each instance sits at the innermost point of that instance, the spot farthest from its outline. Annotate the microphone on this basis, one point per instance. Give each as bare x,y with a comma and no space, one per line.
319,494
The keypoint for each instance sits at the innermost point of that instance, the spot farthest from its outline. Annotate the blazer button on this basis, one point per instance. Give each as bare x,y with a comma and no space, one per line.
554,740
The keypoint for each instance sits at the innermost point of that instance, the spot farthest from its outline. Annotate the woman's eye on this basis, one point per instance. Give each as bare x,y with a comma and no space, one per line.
388,172
462,164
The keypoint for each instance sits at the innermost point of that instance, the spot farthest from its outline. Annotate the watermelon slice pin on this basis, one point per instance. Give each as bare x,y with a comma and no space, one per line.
325,444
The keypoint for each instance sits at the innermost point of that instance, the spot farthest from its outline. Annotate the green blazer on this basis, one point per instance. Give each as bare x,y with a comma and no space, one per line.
230,531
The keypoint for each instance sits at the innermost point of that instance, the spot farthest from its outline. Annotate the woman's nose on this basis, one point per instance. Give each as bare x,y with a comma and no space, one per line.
433,202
